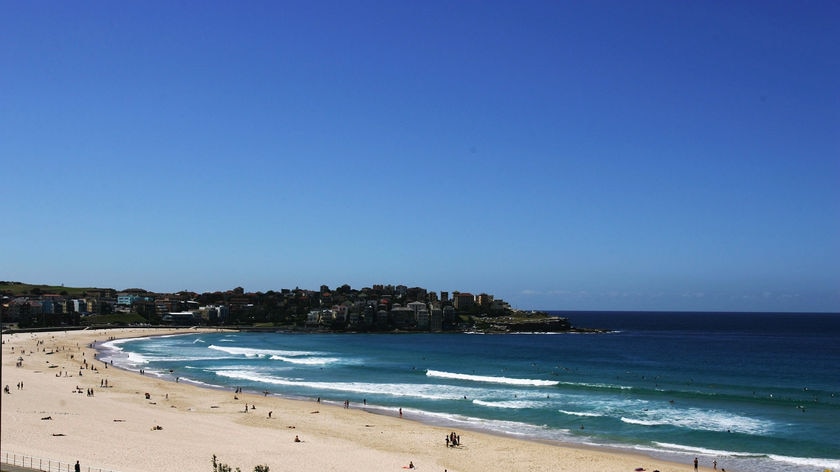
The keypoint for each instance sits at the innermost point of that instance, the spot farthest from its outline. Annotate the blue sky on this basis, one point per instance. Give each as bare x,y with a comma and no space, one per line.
651,155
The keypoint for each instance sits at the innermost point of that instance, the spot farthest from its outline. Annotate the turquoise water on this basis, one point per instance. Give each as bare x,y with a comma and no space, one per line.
756,392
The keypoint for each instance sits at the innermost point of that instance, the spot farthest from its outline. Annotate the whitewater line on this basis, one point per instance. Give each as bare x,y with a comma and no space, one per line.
490,379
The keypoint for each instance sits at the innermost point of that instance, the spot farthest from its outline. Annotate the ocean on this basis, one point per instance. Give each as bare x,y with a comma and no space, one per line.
753,391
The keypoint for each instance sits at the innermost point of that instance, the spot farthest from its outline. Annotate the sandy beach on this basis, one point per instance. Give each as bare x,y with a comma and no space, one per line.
64,405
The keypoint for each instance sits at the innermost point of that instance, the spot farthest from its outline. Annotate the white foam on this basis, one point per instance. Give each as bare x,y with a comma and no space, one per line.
697,418
197,382
252,352
641,422
429,392
818,463
135,358
490,379
704,451
153,358
596,385
306,360
512,404
291,357
512,428
833,464
580,413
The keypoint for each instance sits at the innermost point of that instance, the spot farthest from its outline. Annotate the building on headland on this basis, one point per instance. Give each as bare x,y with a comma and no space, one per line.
416,307
217,314
462,301
436,319
181,318
126,299
375,308
77,305
482,299
51,306
402,317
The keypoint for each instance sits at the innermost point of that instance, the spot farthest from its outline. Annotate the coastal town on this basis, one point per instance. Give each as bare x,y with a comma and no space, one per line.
379,308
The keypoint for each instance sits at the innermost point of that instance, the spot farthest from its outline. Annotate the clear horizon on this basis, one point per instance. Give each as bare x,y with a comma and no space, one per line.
559,155
332,288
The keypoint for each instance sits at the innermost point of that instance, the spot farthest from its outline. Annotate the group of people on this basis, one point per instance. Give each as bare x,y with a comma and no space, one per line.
19,385
453,440
84,365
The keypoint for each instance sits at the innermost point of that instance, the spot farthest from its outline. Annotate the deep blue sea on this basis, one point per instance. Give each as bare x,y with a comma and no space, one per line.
754,391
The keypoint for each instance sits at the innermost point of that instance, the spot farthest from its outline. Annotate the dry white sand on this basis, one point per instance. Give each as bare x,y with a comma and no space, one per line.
115,428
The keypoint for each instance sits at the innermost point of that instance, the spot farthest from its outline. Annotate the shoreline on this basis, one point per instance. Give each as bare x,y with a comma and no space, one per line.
115,428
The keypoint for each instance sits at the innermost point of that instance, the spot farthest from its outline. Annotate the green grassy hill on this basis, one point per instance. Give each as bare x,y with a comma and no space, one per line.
21,289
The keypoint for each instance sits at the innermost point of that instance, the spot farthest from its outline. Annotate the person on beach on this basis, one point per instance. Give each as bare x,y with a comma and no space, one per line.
695,463
77,467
